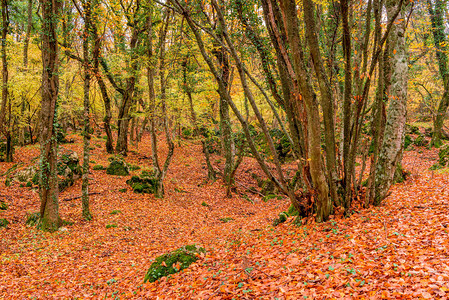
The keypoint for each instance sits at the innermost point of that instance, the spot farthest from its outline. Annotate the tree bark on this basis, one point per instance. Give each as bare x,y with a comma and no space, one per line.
28,33
86,103
436,12
391,152
48,183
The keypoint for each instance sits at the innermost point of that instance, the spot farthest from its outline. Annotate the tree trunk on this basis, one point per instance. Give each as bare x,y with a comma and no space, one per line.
28,33
317,173
48,183
5,128
391,151
86,132
436,12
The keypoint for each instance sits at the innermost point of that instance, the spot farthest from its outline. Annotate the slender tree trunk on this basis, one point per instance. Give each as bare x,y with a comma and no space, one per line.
5,128
390,154
86,132
48,183
28,33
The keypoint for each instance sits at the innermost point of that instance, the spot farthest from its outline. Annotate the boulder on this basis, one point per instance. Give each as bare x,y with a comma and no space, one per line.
117,167
68,168
173,262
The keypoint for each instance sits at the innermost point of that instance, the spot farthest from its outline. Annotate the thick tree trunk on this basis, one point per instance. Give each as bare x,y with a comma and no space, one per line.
436,12
320,185
48,183
391,152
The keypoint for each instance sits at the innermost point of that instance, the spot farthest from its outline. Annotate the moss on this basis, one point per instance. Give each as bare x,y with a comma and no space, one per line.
35,179
8,182
283,216
122,190
226,220
420,141
111,226
443,158
292,211
407,141
134,167
115,212
143,185
98,167
29,184
33,218
204,204
3,223
117,168
173,262
3,206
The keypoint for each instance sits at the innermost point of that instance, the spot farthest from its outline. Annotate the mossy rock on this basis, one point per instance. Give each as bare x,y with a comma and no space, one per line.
411,129
283,216
267,186
3,223
3,206
443,158
173,262
420,141
117,167
134,167
407,141
143,185
98,167
33,218
292,211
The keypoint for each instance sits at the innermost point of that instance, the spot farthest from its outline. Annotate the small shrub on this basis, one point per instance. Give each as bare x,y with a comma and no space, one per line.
204,204
29,184
122,190
3,206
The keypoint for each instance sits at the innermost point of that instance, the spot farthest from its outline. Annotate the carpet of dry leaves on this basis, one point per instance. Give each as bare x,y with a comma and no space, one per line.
396,251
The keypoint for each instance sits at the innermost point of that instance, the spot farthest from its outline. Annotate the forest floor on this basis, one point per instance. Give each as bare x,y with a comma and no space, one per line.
398,250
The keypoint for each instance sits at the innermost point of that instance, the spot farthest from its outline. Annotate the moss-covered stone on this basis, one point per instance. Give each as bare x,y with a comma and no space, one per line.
3,223
411,129
443,158
117,167
407,141
143,185
420,141
283,216
173,262
292,211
